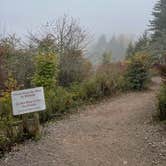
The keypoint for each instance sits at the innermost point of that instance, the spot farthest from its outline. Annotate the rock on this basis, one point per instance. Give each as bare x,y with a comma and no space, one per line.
125,162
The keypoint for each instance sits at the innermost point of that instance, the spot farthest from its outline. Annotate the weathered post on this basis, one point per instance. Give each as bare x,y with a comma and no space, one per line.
25,123
37,127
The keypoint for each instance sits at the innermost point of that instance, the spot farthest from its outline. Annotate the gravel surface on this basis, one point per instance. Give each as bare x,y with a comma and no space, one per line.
119,131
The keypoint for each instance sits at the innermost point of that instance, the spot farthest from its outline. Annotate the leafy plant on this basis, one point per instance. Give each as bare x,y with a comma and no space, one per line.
58,101
137,75
162,102
46,70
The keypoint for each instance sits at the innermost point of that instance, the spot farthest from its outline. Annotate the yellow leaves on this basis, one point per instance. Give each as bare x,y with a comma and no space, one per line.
46,70
5,98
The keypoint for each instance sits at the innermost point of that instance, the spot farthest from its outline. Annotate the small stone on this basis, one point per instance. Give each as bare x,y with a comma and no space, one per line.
6,160
125,162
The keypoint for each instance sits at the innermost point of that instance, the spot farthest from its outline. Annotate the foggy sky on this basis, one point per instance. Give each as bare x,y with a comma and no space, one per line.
98,16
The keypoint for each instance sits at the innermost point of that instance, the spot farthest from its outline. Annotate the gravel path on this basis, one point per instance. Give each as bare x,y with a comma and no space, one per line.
116,132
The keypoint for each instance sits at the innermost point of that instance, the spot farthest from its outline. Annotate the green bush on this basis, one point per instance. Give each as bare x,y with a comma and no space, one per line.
162,103
137,75
107,83
6,116
46,70
58,101
77,91
8,135
104,83
92,89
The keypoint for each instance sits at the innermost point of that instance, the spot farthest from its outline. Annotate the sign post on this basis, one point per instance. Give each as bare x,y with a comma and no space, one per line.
29,101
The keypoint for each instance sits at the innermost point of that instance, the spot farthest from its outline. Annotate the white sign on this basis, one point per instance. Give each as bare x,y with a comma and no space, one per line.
27,101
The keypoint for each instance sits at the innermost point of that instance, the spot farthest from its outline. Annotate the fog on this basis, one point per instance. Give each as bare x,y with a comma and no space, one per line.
98,16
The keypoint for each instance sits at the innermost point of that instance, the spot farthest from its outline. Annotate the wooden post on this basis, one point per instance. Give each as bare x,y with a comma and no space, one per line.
25,123
37,130
31,127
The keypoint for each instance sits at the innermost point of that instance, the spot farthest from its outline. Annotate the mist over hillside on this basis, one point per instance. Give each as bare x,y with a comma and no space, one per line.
117,45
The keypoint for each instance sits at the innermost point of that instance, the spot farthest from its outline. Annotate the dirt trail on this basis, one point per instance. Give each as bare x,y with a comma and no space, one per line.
117,132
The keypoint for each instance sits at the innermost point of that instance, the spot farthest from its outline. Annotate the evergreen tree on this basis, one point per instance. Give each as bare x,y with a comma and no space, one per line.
143,43
158,27
107,58
158,24
130,50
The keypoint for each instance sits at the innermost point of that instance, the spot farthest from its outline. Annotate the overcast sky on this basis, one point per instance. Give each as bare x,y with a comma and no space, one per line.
99,16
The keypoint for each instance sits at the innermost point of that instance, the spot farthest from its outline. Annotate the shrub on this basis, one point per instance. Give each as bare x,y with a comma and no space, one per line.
162,71
6,117
108,80
7,133
58,101
77,91
106,58
112,77
92,89
137,75
162,94
107,83
162,102
46,70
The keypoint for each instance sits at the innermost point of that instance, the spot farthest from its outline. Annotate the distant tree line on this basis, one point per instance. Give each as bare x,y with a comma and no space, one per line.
117,46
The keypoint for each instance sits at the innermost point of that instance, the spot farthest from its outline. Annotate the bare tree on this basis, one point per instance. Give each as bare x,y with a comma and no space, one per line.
66,37
64,34
70,35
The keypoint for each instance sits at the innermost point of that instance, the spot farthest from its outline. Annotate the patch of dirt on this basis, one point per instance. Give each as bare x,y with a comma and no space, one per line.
120,131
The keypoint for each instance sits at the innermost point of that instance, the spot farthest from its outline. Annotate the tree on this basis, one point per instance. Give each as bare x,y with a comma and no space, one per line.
141,45
117,45
130,50
46,70
158,24
102,43
158,27
47,44
107,58
137,74
62,34
74,67
68,40
158,47
17,60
